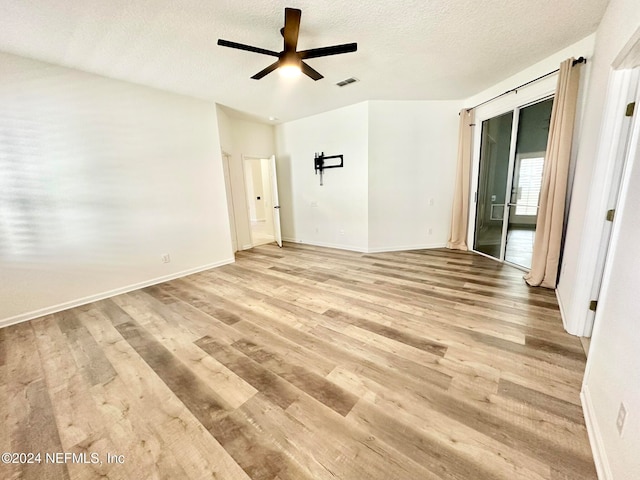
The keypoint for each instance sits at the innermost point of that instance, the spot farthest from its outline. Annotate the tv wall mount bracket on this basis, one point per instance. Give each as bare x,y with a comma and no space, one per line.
319,163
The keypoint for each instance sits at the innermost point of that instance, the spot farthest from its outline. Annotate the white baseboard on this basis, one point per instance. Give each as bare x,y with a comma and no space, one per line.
367,250
562,311
407,247
595,438
23,317
326,245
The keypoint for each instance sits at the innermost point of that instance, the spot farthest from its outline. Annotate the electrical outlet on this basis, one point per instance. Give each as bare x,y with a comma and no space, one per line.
166,258
431,231
622,416
431,202
341,232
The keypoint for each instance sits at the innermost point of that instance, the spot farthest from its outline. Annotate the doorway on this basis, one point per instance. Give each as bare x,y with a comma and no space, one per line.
262,200
512,152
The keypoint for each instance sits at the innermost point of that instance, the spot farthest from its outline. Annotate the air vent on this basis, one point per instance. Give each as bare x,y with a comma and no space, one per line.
347,81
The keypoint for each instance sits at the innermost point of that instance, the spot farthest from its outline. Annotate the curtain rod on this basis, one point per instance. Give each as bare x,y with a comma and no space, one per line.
515,89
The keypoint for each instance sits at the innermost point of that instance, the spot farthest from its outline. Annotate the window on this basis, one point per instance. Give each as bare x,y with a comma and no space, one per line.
529,184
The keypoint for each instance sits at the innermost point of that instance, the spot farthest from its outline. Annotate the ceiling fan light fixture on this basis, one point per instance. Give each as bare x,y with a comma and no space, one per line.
290,71
290,65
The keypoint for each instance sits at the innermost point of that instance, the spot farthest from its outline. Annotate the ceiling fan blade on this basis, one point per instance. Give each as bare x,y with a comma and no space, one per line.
248,48
266,71
291,28
310,72
326,51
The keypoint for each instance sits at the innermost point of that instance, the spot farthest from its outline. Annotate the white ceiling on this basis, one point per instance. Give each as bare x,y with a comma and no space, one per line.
407,49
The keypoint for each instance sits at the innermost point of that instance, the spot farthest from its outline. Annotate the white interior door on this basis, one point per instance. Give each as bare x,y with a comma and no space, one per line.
276,203
630,126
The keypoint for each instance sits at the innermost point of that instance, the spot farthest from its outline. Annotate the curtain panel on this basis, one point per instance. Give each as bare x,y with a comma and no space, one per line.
553,192
460,213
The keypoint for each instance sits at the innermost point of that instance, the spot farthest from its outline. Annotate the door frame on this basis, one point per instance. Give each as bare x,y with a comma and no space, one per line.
275,199
506,211
226,168
578,319
529,95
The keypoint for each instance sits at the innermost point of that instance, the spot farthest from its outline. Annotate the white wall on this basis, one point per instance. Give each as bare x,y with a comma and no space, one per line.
613,368
98,179
255,191
412,166
582,48
335,214
243,138
620,21
398,157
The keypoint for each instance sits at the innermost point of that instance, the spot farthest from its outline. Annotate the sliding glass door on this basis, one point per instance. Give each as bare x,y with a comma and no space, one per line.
511,161
492,184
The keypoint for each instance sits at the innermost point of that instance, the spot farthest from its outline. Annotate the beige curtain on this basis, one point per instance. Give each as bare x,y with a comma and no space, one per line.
547,244
460,214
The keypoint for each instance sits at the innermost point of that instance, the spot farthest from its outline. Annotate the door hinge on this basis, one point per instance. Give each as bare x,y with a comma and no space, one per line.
476,200
630,109
610,214
593,304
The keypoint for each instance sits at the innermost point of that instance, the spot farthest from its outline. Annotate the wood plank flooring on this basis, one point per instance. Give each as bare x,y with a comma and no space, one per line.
304,363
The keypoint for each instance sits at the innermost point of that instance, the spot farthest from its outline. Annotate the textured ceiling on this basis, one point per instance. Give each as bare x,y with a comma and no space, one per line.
407,49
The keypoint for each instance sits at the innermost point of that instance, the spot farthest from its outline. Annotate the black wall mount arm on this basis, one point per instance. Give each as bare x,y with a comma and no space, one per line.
319,163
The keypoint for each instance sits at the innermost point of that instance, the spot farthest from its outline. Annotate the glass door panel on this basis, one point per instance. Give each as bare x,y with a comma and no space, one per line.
531,144
492,184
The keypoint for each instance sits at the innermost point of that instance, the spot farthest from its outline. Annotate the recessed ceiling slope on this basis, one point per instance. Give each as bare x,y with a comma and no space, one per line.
407,50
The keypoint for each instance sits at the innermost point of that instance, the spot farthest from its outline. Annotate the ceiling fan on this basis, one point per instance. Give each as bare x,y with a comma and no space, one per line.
290,61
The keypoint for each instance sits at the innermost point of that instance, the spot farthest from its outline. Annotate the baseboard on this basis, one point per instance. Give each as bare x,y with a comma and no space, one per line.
407,247
23,317
595,438
562,311
368,250
351,248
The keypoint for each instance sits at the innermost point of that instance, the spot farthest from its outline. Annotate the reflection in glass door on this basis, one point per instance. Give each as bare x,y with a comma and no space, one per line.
506,223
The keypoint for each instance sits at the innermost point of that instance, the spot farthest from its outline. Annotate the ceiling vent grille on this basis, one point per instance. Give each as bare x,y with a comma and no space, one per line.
347,81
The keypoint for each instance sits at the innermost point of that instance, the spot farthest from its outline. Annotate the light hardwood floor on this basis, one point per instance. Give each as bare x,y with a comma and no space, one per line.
304,363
